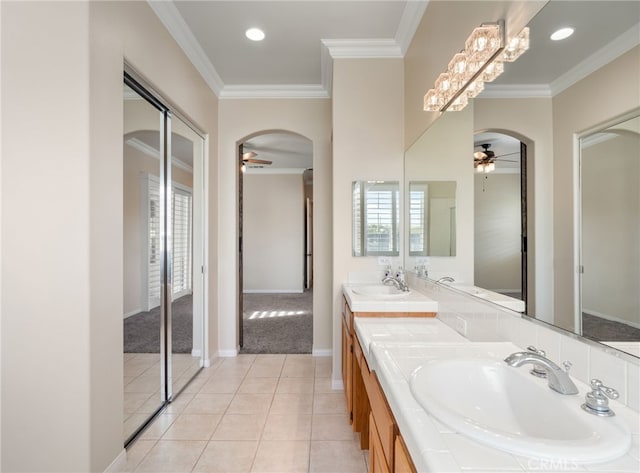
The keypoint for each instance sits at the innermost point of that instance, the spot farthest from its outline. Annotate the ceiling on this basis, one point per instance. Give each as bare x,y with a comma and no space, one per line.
302,36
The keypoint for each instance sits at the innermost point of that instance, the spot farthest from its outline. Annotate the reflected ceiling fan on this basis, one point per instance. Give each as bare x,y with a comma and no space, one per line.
484,161
250,158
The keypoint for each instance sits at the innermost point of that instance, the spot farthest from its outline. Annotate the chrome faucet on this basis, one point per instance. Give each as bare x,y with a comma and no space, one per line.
559,379
446,279
399,283
596,401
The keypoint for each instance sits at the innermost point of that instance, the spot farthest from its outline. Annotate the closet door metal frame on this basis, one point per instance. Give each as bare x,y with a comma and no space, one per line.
166,262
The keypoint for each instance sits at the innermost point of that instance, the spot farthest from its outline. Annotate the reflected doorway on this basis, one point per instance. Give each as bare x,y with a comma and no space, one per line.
275,225
500,214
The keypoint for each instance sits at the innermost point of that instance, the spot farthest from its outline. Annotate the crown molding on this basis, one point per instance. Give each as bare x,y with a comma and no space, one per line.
177,27
293,91
520,91
409,22
362,48
154,153
600,58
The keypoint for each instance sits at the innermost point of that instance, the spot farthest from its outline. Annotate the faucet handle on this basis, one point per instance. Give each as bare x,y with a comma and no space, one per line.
533,349
538,371
597,386
567,365
596,401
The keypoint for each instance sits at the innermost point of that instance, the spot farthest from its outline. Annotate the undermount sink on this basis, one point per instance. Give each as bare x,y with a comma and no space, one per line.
379,290
506,408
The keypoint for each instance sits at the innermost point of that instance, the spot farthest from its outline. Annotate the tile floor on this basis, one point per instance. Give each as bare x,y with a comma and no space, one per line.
253,413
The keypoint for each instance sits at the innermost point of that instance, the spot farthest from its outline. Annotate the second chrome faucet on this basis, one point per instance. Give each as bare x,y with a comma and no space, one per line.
558,378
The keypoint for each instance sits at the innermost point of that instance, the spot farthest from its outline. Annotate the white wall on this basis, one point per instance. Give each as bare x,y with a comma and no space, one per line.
607,93
239,119
62,349
367,145
273,232
497,231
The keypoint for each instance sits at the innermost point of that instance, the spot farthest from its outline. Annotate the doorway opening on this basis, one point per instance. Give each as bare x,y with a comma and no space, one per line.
500,215
275,249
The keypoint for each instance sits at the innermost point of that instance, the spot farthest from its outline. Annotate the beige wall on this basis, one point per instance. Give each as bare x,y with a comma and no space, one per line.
239,119
497,231
437,40
442,154
273,232
367,145
67,185
607,93
529,120
610,172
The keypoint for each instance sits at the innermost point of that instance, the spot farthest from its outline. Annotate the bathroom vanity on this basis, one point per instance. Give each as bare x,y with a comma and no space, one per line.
395,409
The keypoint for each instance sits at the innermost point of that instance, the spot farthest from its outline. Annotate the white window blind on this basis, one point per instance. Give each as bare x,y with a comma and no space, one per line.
182,248
376,210
417,220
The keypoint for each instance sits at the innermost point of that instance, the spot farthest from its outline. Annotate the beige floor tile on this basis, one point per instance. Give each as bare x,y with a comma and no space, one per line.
178,405
282,456
258,385
151,405
239,427
289,403
174,456
298,368
336,457
250,404
267,366
133,401
222,385
204,403
324,367
132,423
230,456
159,426
323,385
144,384
331,427
329,403
295,385
192,427
195,385
287,427
136,452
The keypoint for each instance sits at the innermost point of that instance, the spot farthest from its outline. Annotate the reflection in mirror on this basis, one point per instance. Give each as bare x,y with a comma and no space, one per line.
610,229
432,218
376,218
553,93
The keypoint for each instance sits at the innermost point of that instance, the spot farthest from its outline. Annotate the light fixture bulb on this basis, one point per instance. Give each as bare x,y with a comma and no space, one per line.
491,167
480,168
562,33
243,168
254,34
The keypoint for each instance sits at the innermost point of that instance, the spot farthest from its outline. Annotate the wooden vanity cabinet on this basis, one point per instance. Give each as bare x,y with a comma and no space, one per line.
402,460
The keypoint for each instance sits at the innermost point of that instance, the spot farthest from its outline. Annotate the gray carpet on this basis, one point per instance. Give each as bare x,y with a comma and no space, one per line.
278,323
142,330
605,330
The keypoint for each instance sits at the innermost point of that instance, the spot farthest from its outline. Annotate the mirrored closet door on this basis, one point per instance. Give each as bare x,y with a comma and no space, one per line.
163,159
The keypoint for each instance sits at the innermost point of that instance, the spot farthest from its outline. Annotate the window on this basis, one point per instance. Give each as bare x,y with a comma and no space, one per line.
376,210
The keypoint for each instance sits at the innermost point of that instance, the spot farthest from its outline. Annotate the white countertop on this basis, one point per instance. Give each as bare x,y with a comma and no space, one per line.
413,301
433,446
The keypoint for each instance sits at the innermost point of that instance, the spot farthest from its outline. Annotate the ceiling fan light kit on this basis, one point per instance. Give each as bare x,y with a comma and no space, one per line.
482,60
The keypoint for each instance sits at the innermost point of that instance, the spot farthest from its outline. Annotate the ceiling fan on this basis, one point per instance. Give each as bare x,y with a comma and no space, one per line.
249,158
484,161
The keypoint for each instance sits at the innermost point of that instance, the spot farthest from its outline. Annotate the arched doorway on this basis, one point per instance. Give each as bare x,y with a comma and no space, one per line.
501,221
275,225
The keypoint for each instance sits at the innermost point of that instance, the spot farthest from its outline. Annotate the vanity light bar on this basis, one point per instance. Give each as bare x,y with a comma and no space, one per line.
480,61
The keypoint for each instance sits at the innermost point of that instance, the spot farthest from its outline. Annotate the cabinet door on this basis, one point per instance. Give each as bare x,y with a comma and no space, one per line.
402,460
347,366
377,461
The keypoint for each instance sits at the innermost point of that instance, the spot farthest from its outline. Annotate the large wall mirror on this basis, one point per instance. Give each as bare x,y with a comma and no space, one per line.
432,218
556,91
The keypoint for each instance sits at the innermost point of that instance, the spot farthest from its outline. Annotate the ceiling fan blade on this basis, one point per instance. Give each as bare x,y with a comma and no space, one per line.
248,155
257,161
479,155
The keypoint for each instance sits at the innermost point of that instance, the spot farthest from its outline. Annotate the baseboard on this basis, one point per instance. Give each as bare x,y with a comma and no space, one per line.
322,352
337,385
227,353
117,465
273,291
196,352
133,312
611,318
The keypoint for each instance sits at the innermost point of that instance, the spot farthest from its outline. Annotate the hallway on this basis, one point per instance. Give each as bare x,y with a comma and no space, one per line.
254,413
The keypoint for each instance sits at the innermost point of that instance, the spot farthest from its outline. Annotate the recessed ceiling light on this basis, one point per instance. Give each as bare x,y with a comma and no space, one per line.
562,33
254,34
